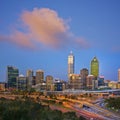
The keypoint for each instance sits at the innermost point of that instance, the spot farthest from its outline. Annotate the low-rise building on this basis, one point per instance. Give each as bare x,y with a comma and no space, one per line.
101,81
118,85
21,83
40,87
49,83
2,86
75,81
113,85
91,82
59,85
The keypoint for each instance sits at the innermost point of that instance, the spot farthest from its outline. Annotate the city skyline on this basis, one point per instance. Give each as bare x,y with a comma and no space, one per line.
40,34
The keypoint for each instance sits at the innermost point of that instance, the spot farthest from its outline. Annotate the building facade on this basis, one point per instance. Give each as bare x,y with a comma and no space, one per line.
2,86
12,74
39,76
49,82
84,73
71,60
29,76
21,83
58,86
94,67
75,82
113,85
101,81
118,75
90,82
34,80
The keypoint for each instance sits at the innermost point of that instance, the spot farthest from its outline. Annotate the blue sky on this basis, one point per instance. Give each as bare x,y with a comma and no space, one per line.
39,34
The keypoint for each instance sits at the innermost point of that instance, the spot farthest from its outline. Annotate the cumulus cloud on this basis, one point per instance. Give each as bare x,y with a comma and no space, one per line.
18,38
21,39
45,27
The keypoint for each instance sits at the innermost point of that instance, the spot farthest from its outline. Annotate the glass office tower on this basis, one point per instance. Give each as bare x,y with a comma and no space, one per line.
12,74
94,67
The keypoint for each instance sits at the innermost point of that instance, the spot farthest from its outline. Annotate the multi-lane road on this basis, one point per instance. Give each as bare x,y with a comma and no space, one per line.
97,112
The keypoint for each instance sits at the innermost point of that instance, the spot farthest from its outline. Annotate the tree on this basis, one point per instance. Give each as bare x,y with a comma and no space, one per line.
82,118
113,103
28,109
70,116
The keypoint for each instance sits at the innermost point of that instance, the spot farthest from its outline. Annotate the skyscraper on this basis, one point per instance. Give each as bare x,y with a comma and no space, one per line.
29,76
29,73
94,67
70,64
84,73
49,82
39,76
118,75
12,74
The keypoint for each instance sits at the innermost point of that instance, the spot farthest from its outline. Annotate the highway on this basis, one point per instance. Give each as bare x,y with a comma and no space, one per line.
94,109
88,115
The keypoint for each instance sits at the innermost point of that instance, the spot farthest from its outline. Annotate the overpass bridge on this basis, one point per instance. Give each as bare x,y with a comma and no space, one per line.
78,92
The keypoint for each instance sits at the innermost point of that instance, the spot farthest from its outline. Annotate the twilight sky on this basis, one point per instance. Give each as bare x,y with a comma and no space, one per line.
39,34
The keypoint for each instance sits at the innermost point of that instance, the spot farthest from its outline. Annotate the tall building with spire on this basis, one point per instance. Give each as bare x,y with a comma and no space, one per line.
71,60
118,75
94,68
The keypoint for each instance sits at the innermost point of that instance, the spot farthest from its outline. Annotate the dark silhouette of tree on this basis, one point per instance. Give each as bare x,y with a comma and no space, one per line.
82,118
28,109
113,103
70,116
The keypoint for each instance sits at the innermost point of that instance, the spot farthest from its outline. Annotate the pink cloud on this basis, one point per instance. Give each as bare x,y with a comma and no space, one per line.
21,39
45,27
18,38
